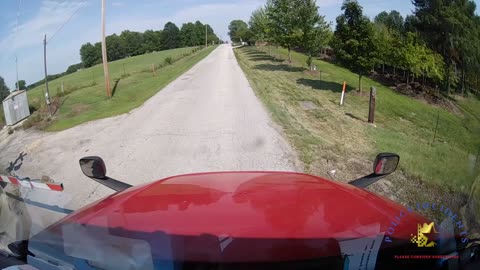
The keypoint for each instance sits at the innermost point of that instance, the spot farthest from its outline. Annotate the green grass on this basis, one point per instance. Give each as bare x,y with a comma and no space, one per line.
86,97
327,138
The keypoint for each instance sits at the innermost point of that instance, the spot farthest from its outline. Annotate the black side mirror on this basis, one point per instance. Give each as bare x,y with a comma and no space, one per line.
94,168
384,164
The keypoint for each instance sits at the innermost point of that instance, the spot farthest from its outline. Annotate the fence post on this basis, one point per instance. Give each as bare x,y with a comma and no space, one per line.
153,70
343,92
63,89
371,107
436,128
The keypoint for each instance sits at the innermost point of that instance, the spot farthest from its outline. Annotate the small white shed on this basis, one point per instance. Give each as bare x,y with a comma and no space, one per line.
15,107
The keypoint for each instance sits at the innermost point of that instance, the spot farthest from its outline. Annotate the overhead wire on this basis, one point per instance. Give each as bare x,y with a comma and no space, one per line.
64,23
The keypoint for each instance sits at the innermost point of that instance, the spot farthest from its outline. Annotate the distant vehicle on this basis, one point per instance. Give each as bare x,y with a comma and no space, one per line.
240,220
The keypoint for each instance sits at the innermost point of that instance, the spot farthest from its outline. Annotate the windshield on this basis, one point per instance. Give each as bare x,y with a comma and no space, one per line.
254,134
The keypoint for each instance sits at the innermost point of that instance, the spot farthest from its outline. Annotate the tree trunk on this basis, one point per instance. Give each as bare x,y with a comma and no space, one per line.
463,81
360,83
413,77
383,68
394,71
289,55
403,74
423,79
408,77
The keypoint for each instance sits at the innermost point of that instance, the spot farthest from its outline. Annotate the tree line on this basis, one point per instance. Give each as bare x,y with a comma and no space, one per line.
439,44
130,43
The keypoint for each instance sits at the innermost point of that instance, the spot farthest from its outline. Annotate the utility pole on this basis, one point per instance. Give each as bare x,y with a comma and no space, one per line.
16,67
206,44
104,54
47,97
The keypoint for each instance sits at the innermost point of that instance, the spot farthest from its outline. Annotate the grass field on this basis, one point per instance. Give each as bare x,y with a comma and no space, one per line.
332,137
132,81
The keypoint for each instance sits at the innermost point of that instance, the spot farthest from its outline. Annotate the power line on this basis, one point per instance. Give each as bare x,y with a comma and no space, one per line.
16,26
69,18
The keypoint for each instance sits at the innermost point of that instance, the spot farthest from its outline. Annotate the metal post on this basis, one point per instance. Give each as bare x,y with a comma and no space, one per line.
16,67
371,108
46,80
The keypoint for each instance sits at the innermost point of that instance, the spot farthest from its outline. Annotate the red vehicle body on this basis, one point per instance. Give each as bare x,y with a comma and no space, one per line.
253,219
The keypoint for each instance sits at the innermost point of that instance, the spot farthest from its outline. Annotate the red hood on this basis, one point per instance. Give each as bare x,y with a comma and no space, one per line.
288,207
249,204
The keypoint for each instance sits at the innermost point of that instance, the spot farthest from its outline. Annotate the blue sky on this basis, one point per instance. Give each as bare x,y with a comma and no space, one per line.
39,17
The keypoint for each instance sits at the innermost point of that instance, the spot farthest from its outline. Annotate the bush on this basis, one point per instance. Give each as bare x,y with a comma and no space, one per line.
32,120
10,131
168,60
309,62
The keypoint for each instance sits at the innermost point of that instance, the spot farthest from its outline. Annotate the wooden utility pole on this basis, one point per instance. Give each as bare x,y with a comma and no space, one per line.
206,44
104,54
371,108
47,97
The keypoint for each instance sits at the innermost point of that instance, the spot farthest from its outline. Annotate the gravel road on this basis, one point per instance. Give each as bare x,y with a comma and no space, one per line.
209,119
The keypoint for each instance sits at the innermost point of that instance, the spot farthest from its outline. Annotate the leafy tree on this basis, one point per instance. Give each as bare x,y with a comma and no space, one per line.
4,91
188,35
132,42
238,31
445,25
89,55
259,25
116,48
393,20
314,28
211,35
384,38
199,33
411,21
22,83
284,23
354,44
170,36
152,41
74,68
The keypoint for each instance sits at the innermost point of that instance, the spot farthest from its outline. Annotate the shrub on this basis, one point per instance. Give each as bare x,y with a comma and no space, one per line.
32,120
10,131
309,62
168,60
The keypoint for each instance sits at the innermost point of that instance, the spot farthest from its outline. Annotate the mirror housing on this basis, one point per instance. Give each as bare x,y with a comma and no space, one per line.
94,168
384,164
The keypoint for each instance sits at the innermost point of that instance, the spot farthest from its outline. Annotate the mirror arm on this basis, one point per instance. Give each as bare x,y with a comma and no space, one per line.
366,181
112,183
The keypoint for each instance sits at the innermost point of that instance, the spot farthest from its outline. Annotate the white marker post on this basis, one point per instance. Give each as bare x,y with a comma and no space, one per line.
343,92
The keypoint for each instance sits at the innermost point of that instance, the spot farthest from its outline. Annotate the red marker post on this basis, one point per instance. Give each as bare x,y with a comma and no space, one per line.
343,92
